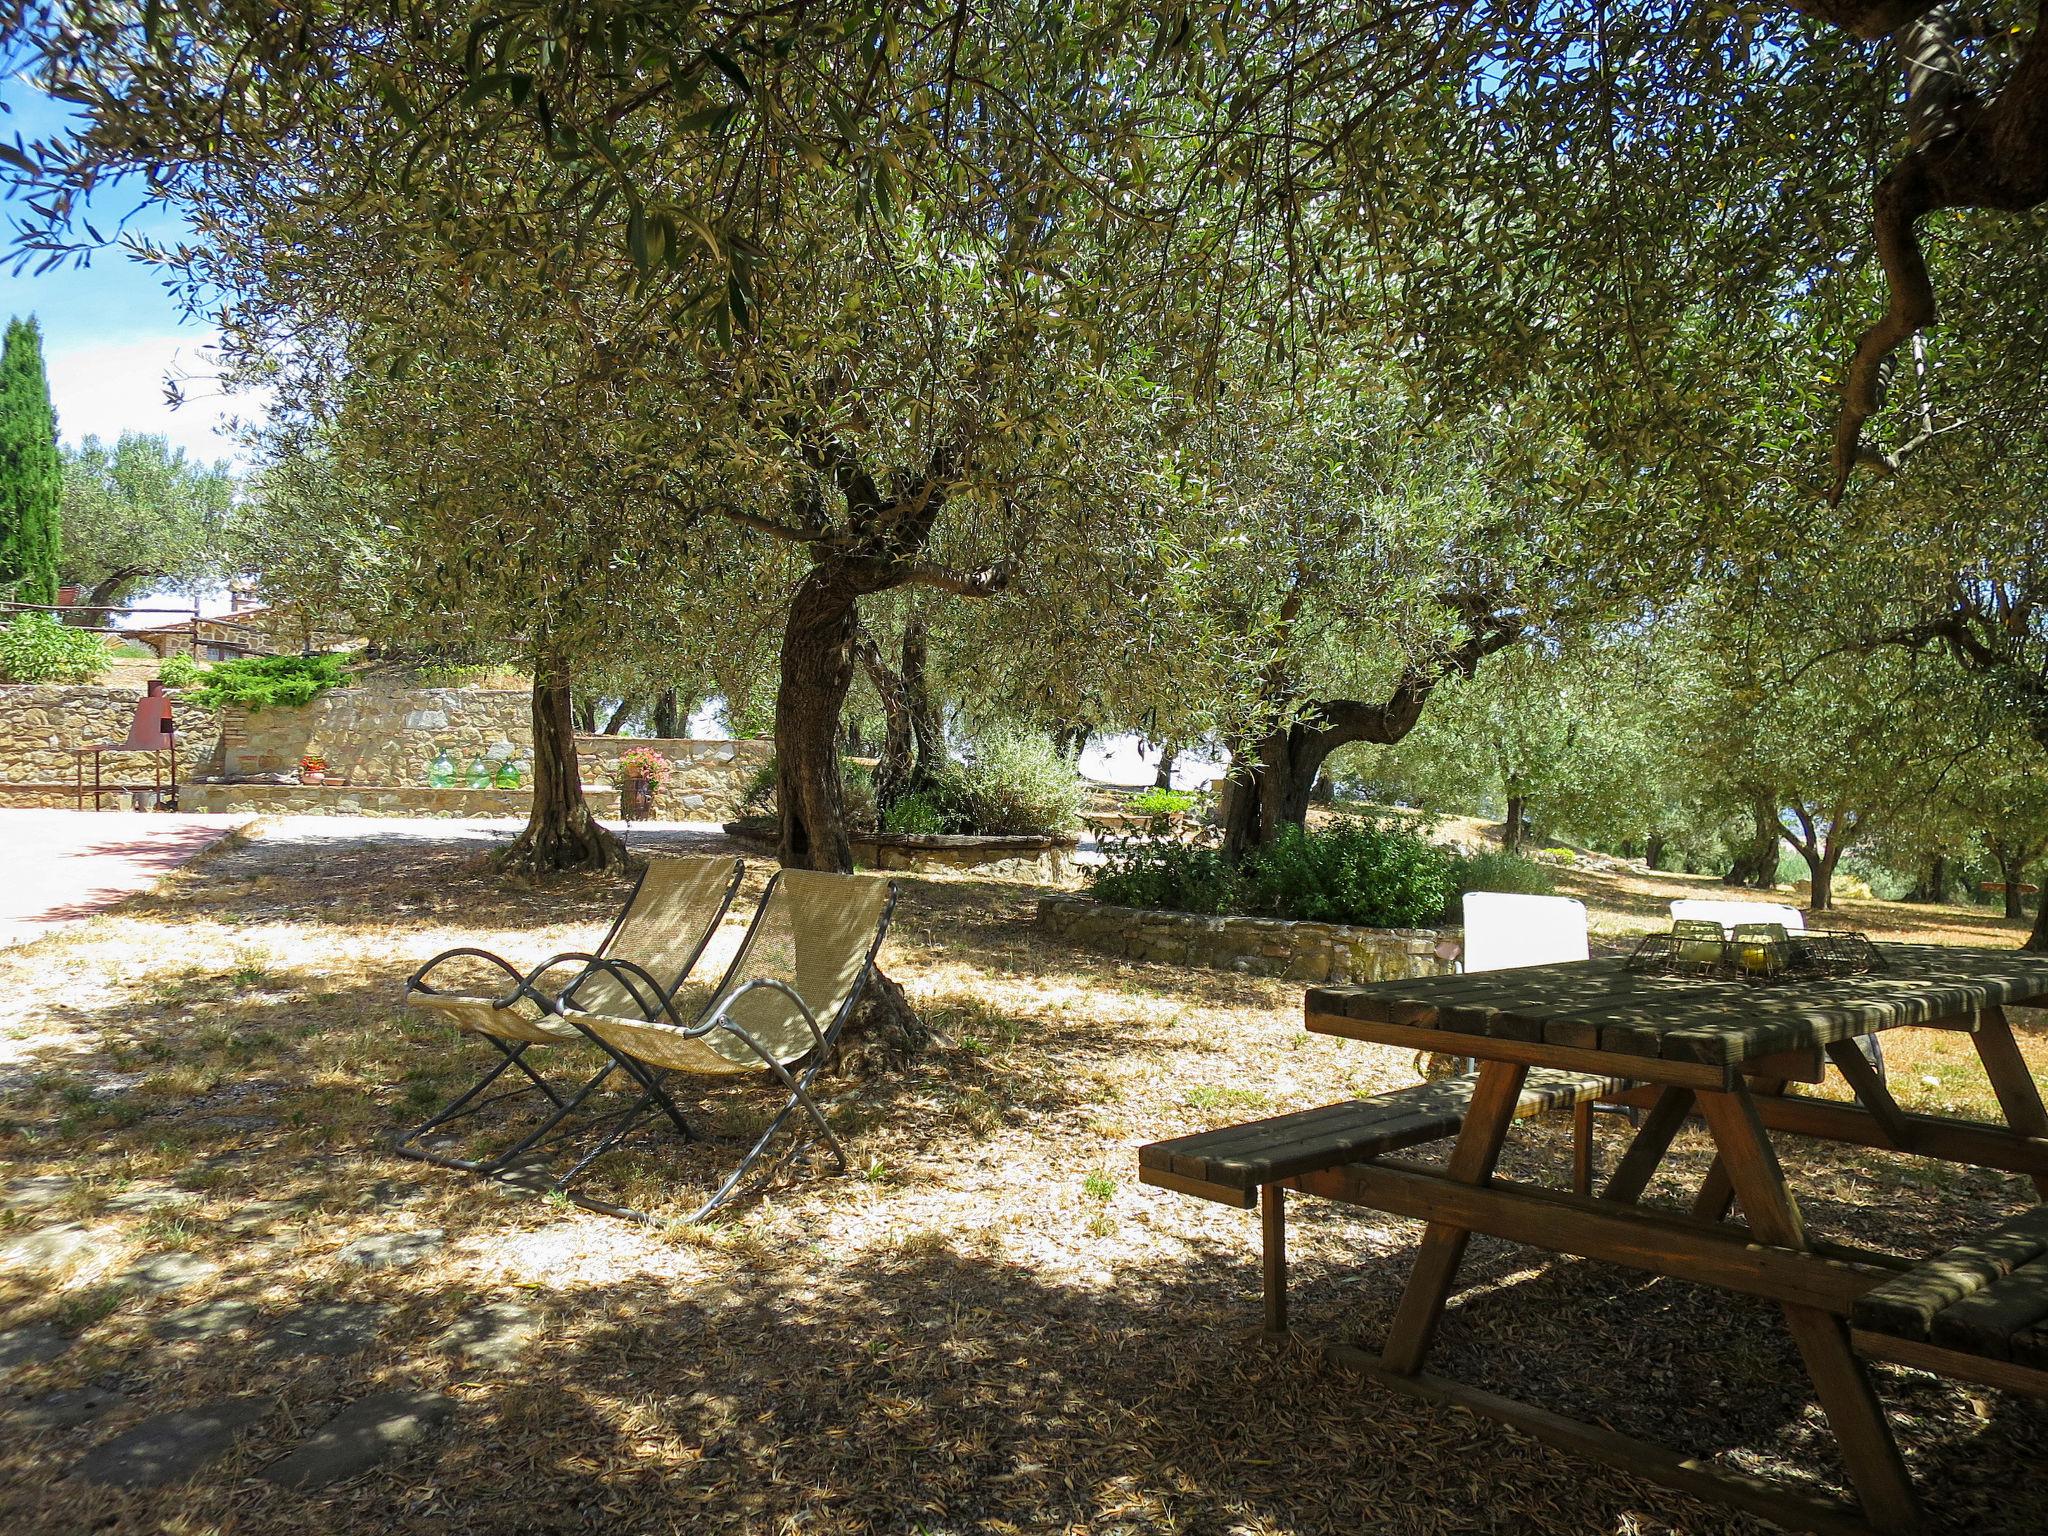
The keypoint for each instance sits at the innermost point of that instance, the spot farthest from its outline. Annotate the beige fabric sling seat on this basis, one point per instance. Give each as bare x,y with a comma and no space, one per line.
792,985
644,959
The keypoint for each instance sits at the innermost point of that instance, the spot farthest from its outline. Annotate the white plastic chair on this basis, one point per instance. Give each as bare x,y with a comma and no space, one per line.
1504,931
1729,913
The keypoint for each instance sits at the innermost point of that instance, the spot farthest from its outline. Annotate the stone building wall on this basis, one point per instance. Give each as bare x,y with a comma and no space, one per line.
1260,946
40,724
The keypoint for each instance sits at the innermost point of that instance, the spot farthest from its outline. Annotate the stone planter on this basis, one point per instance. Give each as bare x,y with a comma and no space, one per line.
1258,946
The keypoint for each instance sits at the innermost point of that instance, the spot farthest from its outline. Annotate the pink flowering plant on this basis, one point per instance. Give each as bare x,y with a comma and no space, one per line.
644,763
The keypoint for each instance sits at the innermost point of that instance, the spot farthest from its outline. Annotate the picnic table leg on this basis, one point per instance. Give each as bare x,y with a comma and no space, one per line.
1487,1122
1273,1231
2019,1096
1717,1191
1869,1452
1582,1147
1646,1151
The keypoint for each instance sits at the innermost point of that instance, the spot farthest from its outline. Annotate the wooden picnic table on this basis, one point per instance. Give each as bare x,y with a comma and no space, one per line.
1727,1051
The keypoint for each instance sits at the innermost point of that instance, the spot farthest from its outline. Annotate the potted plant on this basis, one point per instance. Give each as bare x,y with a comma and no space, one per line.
642,770
312,770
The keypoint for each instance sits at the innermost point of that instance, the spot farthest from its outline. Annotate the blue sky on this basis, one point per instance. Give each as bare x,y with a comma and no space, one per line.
111,334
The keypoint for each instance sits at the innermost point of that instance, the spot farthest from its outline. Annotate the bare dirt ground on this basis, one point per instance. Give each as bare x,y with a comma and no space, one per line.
988,1326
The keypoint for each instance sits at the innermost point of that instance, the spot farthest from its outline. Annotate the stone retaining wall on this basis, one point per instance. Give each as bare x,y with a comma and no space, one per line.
385,739
378,736
366,800
1046,859
706,778
1260,946
40,724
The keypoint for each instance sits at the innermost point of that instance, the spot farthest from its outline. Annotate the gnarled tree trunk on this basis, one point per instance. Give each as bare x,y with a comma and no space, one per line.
1511,829
893,769
819,645
927,724
560,834
1757,865
816,670
670,718
2038,939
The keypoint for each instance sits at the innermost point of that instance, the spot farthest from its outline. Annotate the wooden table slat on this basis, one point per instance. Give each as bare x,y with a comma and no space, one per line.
1600,1005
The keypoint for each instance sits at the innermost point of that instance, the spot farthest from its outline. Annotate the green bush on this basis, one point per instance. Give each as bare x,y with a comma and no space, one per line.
1165,874
1367,874
857,794
1508,872
179,670
918,815
264,682
1019,783
35,648
758,796
1163,802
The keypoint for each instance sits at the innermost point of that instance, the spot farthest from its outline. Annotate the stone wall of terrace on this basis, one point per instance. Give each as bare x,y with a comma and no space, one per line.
41,724
1259,946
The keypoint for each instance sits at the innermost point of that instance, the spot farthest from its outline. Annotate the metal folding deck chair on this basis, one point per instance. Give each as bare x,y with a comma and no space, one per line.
795,980
673,910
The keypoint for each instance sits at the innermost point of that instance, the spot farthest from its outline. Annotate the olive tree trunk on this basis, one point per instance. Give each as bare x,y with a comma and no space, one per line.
1757,865
816,670
1511,829
895,766
561,834
818,653
927,724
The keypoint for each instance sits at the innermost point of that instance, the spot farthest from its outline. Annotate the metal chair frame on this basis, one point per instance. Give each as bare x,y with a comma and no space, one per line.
632,978
653,1079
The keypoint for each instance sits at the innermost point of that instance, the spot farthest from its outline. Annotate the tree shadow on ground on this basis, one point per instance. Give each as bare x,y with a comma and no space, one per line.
968,1338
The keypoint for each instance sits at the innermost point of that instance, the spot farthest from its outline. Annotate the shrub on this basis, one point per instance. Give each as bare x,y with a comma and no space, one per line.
181,671
1367,874
1508,872
857,793
759,795
1163,873
1163,802
919,815
263,682
1019,783
35,648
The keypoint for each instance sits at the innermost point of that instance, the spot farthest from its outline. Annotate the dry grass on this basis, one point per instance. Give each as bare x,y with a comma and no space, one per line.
989,1326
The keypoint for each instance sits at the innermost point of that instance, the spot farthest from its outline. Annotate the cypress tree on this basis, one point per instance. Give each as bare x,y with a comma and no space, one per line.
31,471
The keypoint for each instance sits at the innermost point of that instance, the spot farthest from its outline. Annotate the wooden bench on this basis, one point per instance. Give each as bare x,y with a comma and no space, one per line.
1249,1164
1977,1313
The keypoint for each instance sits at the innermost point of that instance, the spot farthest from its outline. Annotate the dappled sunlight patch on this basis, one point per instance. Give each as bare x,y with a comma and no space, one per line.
987,1321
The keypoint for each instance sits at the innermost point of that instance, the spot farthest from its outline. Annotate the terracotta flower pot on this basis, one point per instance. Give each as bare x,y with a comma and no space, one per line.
636,799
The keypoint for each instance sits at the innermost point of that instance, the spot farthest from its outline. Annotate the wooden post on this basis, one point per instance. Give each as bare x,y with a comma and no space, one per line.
1717,1191
1869,1452
1582,1147
1273,1233
2019,1096
1487,1120
1652,1141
